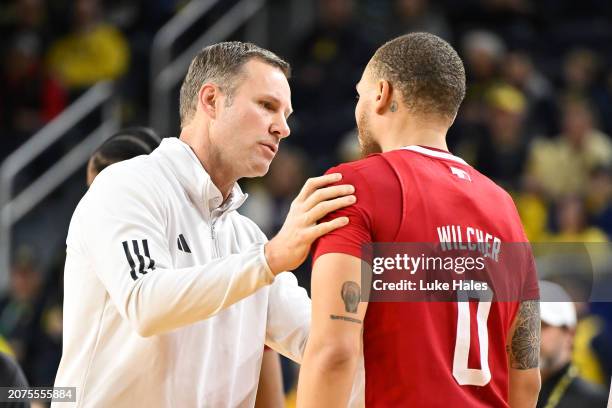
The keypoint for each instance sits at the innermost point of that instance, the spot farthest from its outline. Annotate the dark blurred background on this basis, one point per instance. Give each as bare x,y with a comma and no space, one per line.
537,119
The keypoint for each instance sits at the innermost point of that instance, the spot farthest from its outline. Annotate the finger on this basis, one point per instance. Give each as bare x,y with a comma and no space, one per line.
314,183
327,193
322,209
326,227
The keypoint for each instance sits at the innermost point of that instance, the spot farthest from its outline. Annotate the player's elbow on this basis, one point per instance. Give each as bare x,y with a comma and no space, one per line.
530,382
531,390
534,385
524,387
336,355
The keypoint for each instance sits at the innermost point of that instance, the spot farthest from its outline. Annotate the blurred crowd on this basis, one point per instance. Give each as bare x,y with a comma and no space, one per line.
537,118
54,50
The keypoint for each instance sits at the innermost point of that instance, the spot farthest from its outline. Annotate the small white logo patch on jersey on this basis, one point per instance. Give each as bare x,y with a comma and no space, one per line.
462,174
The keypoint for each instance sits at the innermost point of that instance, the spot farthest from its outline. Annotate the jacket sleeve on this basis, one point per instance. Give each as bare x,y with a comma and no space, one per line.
123,235
289,311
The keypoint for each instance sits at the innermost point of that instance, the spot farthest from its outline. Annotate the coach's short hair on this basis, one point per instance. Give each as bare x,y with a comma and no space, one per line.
426,70
221,64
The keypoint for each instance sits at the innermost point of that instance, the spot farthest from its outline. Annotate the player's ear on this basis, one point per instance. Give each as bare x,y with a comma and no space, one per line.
384,95
208,99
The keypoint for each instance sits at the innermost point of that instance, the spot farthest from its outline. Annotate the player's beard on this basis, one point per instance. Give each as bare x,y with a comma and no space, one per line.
366,139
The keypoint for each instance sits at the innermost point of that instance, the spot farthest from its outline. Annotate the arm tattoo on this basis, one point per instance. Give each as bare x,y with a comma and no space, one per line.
350,293
345,318
524,350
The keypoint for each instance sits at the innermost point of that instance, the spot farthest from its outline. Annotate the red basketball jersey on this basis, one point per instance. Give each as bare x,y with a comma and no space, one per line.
431,354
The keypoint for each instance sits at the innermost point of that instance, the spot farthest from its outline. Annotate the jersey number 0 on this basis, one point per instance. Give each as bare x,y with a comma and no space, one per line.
464,375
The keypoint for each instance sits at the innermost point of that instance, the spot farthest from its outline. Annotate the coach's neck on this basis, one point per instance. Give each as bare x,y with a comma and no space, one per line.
196,136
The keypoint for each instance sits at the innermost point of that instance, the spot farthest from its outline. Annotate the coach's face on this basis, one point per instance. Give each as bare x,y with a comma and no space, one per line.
250,125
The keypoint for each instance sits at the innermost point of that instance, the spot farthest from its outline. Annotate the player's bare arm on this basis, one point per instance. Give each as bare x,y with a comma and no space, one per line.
334,345
290,247
524,355
524,349
350,294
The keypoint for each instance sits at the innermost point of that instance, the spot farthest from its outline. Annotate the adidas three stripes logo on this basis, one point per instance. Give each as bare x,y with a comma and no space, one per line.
182,244
137,254
139,259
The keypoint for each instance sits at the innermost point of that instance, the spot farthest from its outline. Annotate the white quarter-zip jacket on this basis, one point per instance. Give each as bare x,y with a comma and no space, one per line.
168,296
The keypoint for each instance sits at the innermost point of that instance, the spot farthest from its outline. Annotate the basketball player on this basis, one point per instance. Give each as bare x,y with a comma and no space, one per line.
416,353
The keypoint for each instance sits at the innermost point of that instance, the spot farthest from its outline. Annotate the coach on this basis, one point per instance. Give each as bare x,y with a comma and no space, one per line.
170,293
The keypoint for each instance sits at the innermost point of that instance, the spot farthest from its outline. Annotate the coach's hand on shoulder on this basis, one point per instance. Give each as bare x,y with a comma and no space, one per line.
290,247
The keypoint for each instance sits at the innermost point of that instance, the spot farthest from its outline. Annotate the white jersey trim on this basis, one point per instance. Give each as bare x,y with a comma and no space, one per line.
435,153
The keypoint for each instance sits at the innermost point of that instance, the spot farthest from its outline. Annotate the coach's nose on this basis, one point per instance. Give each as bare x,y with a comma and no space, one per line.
280,127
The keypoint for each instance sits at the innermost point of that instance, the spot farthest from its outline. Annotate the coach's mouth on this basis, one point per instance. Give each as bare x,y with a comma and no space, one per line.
271,146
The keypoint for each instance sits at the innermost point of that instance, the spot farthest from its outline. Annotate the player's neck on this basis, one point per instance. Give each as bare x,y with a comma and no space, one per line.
413,132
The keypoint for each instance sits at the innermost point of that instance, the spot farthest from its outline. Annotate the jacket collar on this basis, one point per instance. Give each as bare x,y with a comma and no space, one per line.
196,181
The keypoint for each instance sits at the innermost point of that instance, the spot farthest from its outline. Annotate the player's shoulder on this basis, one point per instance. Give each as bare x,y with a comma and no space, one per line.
493,187
371,176
368,168
498,197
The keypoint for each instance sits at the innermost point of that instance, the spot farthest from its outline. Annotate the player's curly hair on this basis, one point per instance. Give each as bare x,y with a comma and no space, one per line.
221,64
426,70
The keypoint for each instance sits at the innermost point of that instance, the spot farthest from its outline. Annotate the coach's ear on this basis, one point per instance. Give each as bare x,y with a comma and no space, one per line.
384,97
208,97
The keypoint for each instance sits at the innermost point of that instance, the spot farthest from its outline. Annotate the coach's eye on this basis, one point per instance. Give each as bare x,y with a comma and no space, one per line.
267,105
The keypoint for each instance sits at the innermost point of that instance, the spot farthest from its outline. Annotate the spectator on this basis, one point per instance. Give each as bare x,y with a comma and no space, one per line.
25,17
92,52
483,51
562,166
326,69
417,15
518,70
30,322
605,103
29,97
582,69
579,72
17,308
599,198
573,226
502,151
561,384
